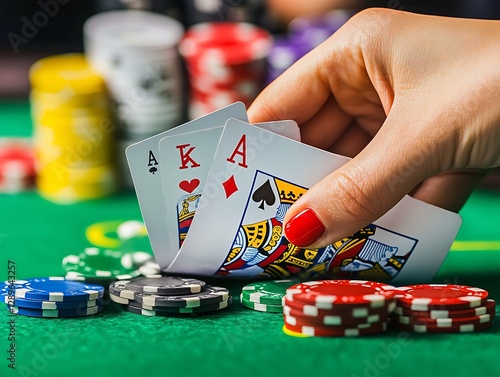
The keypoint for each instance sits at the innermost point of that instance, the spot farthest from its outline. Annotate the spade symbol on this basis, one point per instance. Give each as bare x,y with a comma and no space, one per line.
264,194
153,170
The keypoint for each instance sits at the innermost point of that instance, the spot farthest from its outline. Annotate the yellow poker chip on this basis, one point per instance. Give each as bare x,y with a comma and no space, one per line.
293,333
65,75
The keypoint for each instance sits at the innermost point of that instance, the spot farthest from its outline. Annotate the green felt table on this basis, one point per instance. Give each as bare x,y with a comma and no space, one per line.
36,234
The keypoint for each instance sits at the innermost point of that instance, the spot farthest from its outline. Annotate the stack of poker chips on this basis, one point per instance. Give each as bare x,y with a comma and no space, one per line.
168,295
17,167
74,133
338,308
266,296
136,52
52,297
226,63
443,308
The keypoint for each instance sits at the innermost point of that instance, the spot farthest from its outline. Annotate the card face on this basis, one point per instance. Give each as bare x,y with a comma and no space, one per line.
144,163
185,164
238,229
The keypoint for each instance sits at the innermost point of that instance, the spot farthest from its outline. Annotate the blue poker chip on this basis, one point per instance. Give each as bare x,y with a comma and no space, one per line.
62,313
56,289
50,305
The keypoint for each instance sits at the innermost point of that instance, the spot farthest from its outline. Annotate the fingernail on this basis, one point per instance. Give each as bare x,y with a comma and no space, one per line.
304,228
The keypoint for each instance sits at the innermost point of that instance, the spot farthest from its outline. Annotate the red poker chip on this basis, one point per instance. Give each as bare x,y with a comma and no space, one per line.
488,308
339,331
325,294
334,320
353,311
425,297
17,165
444,322
433,329
225,43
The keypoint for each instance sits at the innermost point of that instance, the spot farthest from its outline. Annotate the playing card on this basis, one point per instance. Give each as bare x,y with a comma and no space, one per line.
144,163
185,163
238,230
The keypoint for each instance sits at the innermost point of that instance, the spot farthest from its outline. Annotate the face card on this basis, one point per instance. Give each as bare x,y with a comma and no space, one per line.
144,163
238,230
185,163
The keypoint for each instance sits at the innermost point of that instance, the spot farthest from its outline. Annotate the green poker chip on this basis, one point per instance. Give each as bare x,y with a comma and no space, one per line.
267,292
261,307
104,265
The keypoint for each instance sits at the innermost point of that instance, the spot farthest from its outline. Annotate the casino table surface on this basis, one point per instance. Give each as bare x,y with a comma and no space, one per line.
36,234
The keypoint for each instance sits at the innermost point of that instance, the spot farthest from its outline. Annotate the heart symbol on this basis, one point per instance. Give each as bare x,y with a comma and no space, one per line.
189,186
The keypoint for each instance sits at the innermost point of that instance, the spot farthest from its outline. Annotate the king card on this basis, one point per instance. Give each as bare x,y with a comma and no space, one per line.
185,163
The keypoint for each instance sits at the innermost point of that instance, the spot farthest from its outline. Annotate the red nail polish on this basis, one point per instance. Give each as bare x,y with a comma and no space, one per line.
305,228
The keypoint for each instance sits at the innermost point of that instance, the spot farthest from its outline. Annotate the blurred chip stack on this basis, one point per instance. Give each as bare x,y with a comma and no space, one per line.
74,132
312,31
136,52
226,63
304,34
284,52
17,169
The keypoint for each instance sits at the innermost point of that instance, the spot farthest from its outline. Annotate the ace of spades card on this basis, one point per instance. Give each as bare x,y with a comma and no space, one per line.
237,230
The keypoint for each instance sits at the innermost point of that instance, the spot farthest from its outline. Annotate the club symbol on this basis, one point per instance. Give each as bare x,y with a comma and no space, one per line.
153,170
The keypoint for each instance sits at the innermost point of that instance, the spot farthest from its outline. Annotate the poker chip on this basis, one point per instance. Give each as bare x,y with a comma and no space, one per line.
74,131
324,294
210,295
168,311
261,307
62,313
425,297
51,305
104,264
434,329
226,63
488,308
118,299
334,320
160,285
56,289
353,311
444,322
267,292
17,167
311,330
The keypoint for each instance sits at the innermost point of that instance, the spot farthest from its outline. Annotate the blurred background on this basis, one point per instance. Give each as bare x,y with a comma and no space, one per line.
82,80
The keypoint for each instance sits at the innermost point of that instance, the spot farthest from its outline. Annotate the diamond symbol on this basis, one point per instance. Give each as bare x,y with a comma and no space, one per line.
230,186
